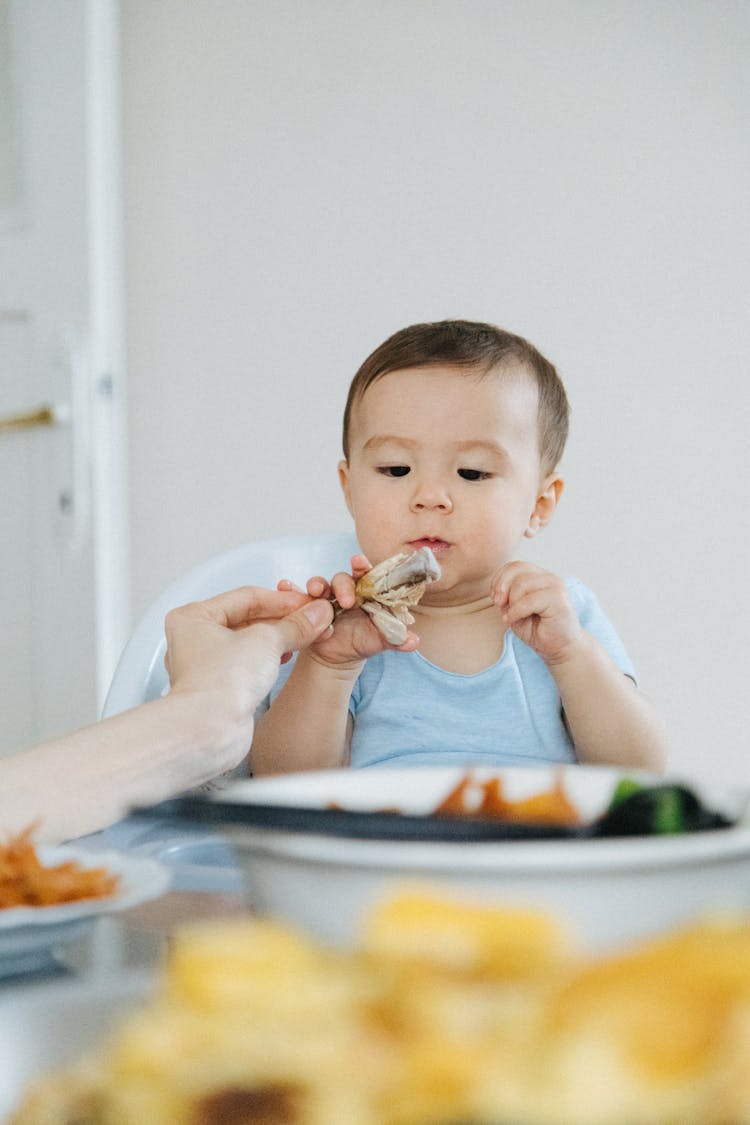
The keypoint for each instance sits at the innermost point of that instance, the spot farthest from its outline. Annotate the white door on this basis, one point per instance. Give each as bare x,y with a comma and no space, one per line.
55,396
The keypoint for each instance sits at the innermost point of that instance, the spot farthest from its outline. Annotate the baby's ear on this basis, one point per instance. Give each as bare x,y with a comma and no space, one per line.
344,482
546,504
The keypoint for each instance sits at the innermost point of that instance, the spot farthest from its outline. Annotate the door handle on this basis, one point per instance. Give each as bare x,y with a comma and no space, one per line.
44,415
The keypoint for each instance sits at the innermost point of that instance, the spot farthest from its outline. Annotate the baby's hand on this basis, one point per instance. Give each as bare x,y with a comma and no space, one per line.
537,606
353,638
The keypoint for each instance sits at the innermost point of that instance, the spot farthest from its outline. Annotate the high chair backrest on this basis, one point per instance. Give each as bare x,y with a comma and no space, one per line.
140,674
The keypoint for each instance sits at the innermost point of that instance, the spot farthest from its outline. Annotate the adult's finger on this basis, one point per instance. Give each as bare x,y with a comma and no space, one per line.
239,607
304,625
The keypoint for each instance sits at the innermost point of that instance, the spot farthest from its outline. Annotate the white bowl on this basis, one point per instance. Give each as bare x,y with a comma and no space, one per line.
610,891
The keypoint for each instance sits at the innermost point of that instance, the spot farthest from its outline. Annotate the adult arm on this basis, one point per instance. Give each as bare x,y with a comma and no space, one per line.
223,656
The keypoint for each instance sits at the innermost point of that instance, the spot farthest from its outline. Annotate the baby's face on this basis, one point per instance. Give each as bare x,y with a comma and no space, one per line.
444,458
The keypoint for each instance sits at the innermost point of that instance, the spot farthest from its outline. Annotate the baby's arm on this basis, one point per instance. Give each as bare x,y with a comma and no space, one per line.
308,726
609,719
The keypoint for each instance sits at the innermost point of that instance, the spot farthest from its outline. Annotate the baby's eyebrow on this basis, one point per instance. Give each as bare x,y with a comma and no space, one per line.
377,441
483,447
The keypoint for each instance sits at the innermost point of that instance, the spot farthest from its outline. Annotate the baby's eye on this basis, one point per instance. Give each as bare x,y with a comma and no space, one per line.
474,474
394,470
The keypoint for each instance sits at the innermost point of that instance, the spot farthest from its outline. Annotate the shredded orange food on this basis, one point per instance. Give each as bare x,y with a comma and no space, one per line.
25,881
551,807
484,800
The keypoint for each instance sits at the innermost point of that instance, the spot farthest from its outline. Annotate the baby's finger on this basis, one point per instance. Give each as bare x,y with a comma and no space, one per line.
505,580
285,584
360,566
342,585
538,602
499,591
411,644
318,587
520,582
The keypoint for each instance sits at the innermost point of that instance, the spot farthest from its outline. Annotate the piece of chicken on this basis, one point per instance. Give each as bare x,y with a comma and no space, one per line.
387,591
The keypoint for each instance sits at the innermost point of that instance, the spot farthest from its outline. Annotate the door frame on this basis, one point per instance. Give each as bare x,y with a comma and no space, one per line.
106,343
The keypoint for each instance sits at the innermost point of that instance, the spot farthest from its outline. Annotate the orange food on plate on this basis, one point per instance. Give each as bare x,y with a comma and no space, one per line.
26,881
485,800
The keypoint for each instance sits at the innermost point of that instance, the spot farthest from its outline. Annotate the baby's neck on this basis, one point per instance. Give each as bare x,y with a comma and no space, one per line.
466,609
460,638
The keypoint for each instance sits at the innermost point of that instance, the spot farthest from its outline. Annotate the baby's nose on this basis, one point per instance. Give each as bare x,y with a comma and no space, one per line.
431,495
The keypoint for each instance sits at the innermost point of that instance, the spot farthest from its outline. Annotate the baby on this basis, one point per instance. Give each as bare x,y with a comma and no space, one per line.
453,433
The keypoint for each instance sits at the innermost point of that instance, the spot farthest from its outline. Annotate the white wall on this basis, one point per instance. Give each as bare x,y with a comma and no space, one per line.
303,178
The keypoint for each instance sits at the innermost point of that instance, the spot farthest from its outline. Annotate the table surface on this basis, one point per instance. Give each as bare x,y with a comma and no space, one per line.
135,939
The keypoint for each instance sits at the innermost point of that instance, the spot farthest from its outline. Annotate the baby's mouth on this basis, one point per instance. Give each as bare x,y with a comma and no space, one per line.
437,546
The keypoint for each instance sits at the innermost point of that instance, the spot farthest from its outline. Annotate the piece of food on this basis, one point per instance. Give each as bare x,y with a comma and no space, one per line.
448,1012
26,881
656,810
485,800
387,591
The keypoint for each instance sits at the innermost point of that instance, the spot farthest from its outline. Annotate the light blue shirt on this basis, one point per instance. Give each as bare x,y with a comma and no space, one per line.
408,712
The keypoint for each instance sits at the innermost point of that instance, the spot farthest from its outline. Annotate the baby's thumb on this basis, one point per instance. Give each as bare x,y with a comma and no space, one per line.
305,625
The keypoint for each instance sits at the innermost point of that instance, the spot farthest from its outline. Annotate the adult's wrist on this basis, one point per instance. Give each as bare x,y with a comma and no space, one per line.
220,720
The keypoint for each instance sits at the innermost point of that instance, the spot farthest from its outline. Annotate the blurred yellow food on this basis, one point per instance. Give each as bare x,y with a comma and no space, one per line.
446,1013
463,936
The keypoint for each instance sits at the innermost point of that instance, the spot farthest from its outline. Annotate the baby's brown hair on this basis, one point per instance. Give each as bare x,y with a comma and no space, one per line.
480,348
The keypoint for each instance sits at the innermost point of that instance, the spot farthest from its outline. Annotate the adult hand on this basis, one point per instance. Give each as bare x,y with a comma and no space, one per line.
223,656
233,644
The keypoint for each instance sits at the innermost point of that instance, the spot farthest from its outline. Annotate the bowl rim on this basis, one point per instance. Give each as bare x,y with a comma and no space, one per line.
512,857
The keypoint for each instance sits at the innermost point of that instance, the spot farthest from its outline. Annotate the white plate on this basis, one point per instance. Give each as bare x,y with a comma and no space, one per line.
610,890
29,935
366,804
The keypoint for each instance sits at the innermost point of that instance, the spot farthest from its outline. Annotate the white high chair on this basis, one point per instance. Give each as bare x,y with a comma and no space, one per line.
140,674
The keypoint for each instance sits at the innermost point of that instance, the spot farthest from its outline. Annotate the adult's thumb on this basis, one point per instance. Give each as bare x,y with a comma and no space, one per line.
305,625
